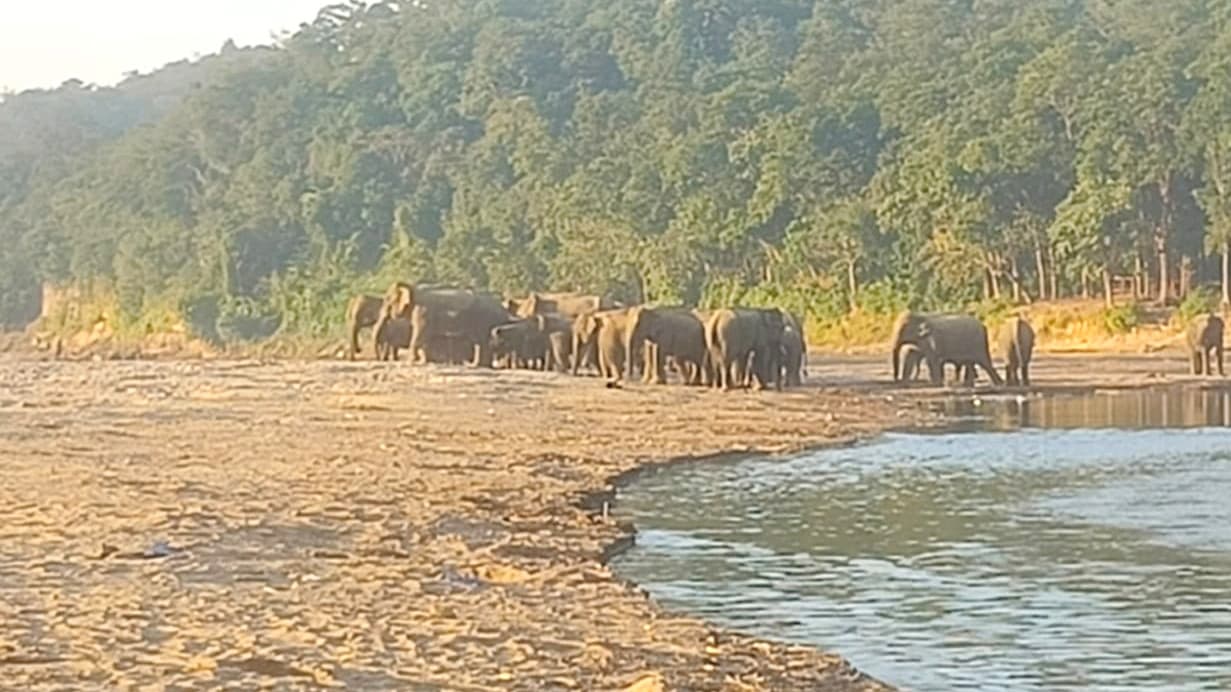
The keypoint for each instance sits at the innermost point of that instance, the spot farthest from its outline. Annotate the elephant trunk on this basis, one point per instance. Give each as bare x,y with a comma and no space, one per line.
898,345
631,342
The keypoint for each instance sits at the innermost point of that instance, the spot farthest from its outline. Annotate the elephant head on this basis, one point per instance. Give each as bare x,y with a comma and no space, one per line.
398,303
909,329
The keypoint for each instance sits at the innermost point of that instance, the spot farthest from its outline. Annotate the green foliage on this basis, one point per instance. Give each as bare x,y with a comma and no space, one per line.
1201,301
1122,319
993,312
884,298
842,159
244,319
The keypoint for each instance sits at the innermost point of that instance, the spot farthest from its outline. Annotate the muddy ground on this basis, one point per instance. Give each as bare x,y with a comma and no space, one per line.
382,526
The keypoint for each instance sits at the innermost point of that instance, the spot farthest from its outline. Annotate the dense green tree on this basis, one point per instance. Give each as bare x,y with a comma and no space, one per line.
823,153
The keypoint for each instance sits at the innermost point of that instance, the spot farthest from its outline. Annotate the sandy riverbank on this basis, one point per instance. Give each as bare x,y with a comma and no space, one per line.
384,527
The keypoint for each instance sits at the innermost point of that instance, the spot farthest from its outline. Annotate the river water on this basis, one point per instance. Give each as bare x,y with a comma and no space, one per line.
1075,543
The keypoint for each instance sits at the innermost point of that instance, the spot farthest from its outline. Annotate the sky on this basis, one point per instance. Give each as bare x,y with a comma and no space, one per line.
42,44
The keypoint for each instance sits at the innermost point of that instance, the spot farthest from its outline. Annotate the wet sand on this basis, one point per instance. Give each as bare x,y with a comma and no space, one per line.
382,526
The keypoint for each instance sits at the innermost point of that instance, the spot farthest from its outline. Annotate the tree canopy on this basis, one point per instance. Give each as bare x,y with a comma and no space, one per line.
827,154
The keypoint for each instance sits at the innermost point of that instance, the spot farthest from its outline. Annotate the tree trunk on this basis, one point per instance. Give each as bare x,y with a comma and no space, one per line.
852,285
1160,237
1138,277
1147,286
1186,276
1041,268
994,281
1164,280
1108,293
1014,280
1085,284
1054,275
1226,274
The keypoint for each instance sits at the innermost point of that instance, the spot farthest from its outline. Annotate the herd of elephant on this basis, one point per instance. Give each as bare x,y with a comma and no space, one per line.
568,332
962,341
726,348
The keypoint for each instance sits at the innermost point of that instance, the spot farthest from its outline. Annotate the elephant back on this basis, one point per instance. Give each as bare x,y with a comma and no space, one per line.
568,304
958,335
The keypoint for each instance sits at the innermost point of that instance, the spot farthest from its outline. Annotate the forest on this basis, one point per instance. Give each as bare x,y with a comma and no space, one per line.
826,155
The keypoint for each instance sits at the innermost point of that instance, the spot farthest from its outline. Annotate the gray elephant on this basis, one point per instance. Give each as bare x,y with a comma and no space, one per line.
520,344
957,339
459,314
1204,337
667,333
393,336
794,351
544,341
745,344
568,305
607,332
362,312
1016,342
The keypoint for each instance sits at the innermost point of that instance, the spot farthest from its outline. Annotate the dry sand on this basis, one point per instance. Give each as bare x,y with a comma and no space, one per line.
381,526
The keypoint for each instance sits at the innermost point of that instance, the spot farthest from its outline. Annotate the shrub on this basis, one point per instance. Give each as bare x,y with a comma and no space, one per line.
993,312
243,319
1121,319
1200,301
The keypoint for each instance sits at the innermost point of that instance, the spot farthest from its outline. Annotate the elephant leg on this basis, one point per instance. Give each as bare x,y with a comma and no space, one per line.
418,347
990,369
1218,354
968,375
1025,373
660,365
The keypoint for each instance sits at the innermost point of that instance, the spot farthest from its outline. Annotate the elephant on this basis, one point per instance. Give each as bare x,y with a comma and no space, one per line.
794,351
707,366
957,339
461,314
542,340
519,344
393,336
585,343
1016,341
663,333
361,312
569,305
606,331
743,343
1204,337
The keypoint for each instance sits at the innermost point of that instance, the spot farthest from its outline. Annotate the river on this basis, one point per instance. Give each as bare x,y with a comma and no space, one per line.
1068,543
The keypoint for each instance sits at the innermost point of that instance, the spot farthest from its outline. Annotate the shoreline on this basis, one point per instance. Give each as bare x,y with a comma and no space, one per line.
472,554
382,526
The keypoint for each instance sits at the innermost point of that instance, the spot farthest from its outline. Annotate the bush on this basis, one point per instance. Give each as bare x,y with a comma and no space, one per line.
243,319
883,298
995,311
1121,319
1200,301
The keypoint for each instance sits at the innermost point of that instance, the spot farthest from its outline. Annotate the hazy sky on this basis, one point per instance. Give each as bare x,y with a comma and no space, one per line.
43,43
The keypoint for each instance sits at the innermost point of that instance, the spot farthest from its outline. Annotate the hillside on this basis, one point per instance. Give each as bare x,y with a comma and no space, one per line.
821,155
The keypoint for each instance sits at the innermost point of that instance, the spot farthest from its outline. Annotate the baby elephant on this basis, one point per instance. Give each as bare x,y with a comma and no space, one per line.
1205,343
1017,346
